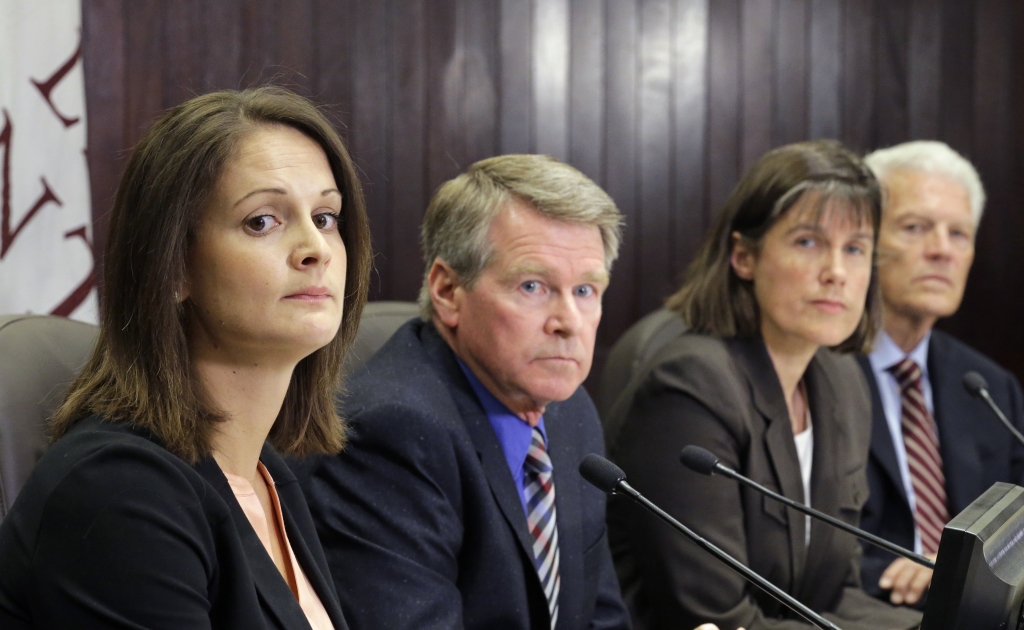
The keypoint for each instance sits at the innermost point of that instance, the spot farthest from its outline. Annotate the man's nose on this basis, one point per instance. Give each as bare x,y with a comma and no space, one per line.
565,318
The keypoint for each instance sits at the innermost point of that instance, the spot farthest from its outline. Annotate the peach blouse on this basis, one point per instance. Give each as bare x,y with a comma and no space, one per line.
296,577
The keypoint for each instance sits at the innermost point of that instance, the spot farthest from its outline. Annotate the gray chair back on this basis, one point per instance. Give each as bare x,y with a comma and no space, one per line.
39,358
379,321
634,349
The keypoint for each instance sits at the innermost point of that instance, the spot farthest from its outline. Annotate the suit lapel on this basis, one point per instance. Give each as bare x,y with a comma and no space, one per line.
270,585
882,448
492,458
954,412
829,433
569,512
766,392
292,502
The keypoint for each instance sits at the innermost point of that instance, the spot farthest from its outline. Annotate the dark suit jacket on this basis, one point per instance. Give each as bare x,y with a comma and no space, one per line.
977,450
724,395
113,531
420,517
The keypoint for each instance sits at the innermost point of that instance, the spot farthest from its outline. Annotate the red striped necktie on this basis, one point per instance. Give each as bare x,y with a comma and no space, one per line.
923,457
540,510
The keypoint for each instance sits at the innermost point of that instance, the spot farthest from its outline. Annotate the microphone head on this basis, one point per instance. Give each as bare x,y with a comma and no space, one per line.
974,383
601,473
698,459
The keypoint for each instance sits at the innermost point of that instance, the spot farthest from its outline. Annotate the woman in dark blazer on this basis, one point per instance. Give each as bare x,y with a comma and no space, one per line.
235,273
781,288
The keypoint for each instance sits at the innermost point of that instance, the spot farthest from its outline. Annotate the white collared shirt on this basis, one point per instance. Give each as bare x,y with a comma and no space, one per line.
885,355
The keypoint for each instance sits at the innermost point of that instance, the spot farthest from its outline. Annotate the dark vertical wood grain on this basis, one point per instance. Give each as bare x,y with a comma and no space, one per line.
757,30
663,102
956,92
334,30
103,50
892,32
653,223
516,99
791,72
144,61
690,91
586,87
444,85
478,39
824,112
923,56
407,181
858,75
621,176
370,130
724,100
295,34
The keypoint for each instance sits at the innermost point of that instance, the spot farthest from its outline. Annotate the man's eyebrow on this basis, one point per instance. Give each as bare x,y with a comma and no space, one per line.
527,269
281,191
597,277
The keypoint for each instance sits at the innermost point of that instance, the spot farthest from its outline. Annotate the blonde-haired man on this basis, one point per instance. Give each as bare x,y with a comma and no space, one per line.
457,503
934,448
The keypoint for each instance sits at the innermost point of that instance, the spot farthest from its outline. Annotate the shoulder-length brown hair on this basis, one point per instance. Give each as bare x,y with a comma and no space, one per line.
141,371
713,299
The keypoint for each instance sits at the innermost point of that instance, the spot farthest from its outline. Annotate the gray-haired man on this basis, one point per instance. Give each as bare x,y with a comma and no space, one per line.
457,503
934,448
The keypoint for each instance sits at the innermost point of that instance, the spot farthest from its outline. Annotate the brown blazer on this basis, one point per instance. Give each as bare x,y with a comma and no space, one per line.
724,395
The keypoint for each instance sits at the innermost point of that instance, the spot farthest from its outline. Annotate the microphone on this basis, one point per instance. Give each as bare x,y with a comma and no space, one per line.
705,462
609,478
976,385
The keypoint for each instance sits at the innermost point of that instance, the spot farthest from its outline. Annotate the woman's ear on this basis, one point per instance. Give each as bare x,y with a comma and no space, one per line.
743,258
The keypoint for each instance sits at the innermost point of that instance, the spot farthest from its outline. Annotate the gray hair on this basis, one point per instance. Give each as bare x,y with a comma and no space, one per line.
935,158
459,216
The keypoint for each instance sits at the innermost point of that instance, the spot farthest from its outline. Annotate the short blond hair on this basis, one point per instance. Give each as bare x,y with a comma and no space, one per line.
460,214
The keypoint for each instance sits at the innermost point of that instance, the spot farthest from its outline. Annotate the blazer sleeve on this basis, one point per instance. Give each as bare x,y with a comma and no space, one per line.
389,507
684,586
124,542
1015,414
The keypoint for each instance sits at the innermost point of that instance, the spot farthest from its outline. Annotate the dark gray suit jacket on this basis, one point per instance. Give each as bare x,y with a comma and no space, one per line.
421,519
726,397
977,450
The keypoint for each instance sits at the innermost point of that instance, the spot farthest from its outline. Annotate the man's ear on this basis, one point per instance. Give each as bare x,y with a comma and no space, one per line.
742,258
445,293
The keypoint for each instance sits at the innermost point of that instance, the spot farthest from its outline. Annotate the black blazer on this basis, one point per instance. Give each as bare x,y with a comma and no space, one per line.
724,395
114,531
977,450
421,519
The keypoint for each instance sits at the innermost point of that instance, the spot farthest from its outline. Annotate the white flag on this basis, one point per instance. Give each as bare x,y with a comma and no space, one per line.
46,261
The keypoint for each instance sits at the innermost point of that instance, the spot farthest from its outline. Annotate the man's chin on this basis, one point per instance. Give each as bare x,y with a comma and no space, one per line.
930,305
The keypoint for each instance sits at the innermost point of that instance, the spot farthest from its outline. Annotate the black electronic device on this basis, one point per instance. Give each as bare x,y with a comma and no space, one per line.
978,582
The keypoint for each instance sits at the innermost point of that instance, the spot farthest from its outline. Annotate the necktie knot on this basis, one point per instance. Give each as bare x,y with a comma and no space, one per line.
907,374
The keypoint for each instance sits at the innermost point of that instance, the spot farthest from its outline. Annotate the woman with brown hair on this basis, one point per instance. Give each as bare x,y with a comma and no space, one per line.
235,273
782,287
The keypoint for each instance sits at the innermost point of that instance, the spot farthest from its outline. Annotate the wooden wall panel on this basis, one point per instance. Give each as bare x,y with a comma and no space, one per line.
662,102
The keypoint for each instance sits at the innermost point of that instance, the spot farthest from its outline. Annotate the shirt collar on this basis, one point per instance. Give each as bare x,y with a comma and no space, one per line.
887,354
513,433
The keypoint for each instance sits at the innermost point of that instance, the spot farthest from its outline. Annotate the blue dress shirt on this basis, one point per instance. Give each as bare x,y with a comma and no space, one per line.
513,433
885,355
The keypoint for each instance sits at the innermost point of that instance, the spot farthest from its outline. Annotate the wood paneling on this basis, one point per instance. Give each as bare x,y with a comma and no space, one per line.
662,102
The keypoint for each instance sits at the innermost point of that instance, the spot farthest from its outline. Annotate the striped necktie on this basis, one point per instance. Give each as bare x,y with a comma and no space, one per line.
923,457
540,517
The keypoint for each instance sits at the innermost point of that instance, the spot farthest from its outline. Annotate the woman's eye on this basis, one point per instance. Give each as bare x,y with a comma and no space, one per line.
913,228
325,221
855,249
262,224
806,241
